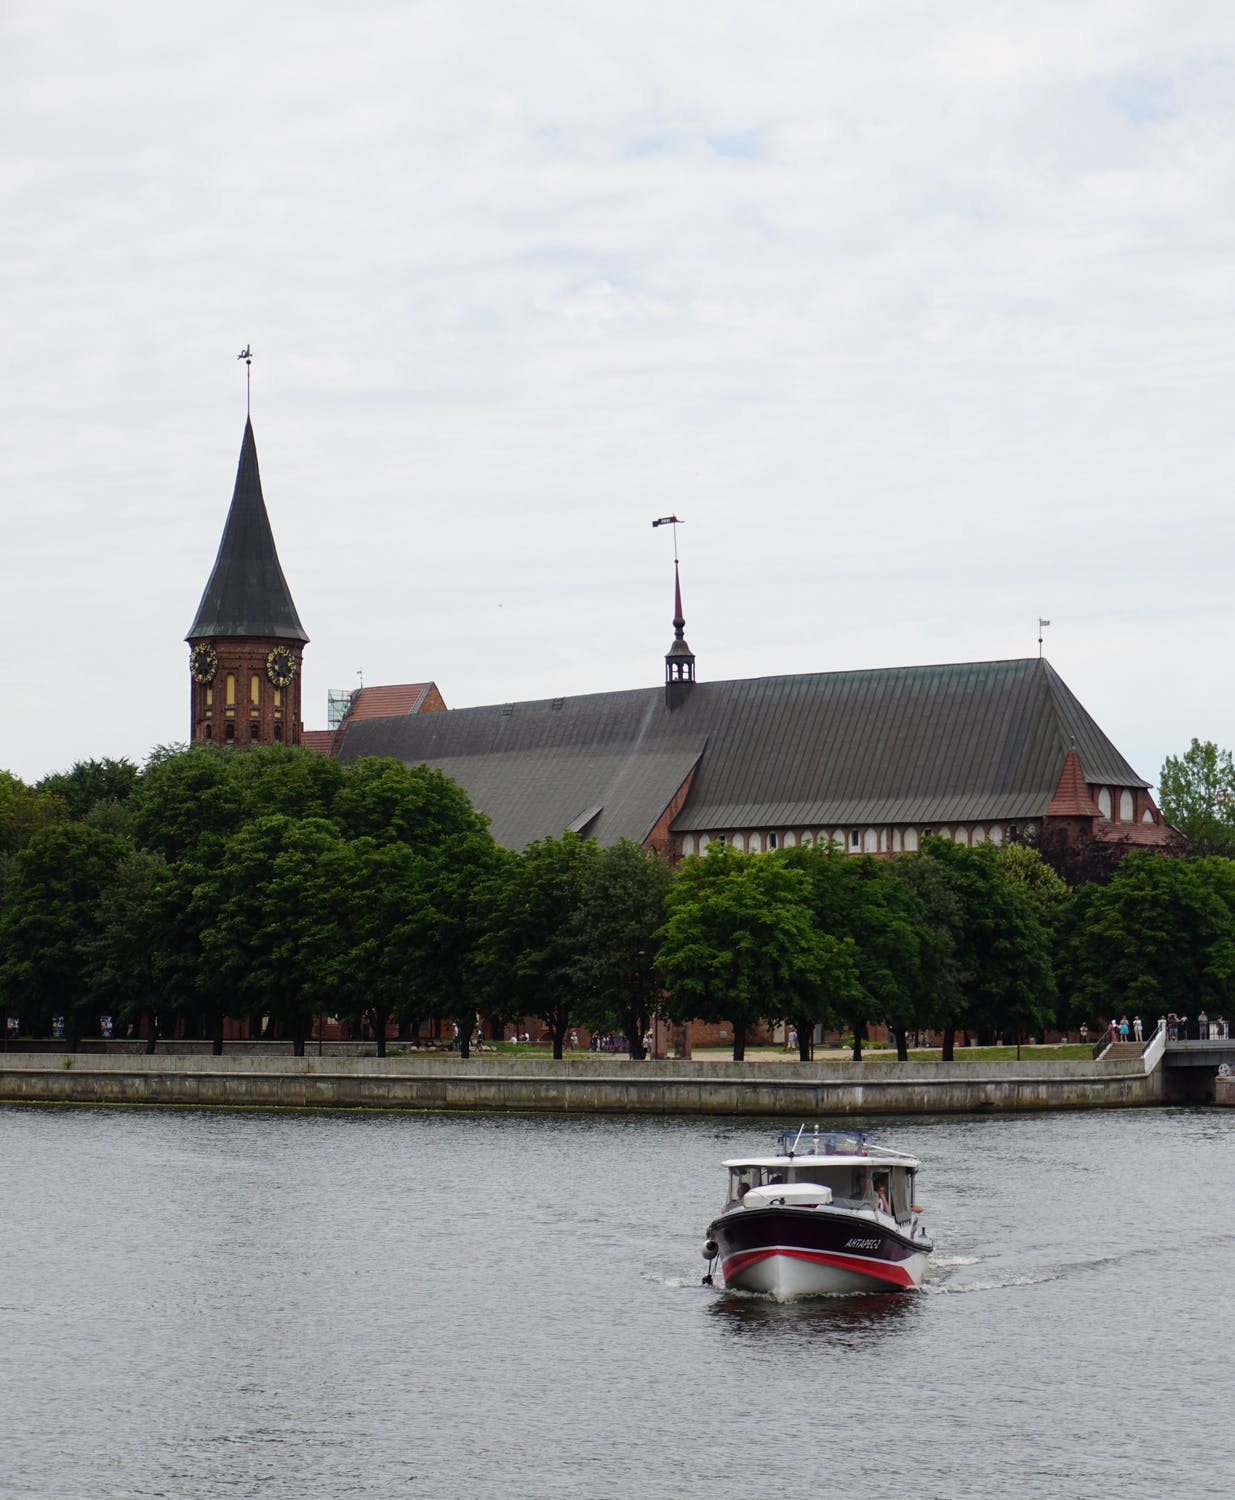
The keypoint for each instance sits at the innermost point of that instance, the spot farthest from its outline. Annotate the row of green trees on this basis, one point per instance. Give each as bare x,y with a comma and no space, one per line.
279,886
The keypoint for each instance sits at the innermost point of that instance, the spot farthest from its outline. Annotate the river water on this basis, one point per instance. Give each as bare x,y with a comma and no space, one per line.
200,1305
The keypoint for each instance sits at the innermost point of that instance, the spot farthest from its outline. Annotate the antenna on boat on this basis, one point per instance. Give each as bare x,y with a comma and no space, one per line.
796,1139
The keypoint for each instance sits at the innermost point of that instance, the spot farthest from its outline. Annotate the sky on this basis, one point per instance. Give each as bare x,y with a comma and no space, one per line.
919,315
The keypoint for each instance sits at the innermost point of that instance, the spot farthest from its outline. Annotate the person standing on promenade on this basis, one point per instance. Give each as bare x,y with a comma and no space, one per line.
1137,1028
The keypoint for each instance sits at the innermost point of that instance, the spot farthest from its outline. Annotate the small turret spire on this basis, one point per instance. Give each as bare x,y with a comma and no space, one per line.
679,659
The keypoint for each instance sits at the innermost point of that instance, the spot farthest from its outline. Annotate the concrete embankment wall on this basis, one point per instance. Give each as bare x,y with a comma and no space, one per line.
576,1085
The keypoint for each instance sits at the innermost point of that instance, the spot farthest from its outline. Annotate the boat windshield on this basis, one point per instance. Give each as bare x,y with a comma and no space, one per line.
854,1185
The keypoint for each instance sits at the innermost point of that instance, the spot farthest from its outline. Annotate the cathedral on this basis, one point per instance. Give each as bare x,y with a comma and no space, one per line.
872,760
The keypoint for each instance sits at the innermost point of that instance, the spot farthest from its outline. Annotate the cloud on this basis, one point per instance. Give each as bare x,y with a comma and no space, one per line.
917,316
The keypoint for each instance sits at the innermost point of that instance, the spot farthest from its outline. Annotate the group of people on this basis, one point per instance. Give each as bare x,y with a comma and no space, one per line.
1216,1030
1176,1028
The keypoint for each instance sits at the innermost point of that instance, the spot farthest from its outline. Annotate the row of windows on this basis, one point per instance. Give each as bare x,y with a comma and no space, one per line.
856,840
229,731
1119,806
255,693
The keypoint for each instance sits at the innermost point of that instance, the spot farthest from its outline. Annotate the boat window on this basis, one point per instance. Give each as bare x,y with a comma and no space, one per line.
741,1178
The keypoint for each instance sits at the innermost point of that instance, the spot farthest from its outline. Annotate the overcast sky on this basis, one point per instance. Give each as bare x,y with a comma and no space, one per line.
920,315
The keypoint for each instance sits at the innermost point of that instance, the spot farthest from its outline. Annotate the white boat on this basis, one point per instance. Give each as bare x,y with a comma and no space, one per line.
830,1211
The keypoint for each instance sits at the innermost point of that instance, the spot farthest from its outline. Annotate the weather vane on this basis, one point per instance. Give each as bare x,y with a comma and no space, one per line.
1042,624
675,523
246,354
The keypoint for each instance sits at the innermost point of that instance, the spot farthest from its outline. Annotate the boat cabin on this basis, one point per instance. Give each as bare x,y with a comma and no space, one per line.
854,1175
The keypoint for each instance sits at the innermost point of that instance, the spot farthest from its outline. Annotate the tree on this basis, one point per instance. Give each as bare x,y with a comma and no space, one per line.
1197,795
1002,948
621,909
454,885
51,906
1026,868
89,782
530,952
373,966
121,953
1159,937
269,922
740,943
871,922
24,810
189,802
393,803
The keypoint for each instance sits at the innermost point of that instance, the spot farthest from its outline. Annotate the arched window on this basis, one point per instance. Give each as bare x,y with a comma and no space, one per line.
229,731
1104,802
231,690
278,731
255,689
1125,806
911,840
755,844
738,842
688,839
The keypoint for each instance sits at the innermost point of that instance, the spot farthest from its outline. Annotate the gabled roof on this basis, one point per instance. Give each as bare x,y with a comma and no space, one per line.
320,741
385,702
903,745
247,594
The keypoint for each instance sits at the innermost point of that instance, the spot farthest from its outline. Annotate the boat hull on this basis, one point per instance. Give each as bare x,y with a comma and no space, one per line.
808,1252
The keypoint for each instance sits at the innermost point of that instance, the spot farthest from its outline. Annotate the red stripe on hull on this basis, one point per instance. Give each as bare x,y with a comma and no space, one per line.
879,1270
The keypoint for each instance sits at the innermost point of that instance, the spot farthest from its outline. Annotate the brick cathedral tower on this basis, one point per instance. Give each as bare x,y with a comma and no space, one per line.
247,639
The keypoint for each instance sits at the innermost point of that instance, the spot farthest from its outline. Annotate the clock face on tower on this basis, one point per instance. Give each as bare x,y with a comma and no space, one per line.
280,666
203,663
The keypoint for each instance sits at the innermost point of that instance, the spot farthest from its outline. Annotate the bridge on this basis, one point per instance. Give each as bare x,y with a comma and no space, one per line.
1191,1070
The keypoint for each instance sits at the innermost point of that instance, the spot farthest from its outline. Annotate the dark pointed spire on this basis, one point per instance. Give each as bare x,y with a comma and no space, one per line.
247,594
679,659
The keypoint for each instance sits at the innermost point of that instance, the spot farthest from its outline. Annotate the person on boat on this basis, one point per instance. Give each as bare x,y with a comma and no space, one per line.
864,1192
881,1199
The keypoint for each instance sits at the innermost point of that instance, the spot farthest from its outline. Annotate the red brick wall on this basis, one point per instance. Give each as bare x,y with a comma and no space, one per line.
242,656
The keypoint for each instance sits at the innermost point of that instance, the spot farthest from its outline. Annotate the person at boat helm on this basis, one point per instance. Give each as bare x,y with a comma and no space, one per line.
864,1192
881,1198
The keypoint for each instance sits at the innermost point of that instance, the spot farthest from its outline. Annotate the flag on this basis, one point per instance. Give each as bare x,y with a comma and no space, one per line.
667,521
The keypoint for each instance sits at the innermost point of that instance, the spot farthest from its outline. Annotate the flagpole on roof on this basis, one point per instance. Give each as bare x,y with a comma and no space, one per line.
1041,626
675,523
246,354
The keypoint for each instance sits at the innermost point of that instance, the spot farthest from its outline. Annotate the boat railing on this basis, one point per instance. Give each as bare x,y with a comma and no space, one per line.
815,1141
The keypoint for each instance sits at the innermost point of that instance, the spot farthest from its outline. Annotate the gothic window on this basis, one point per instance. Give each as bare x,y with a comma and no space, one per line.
1125,806
231,690
1104,802
230,731
278,731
